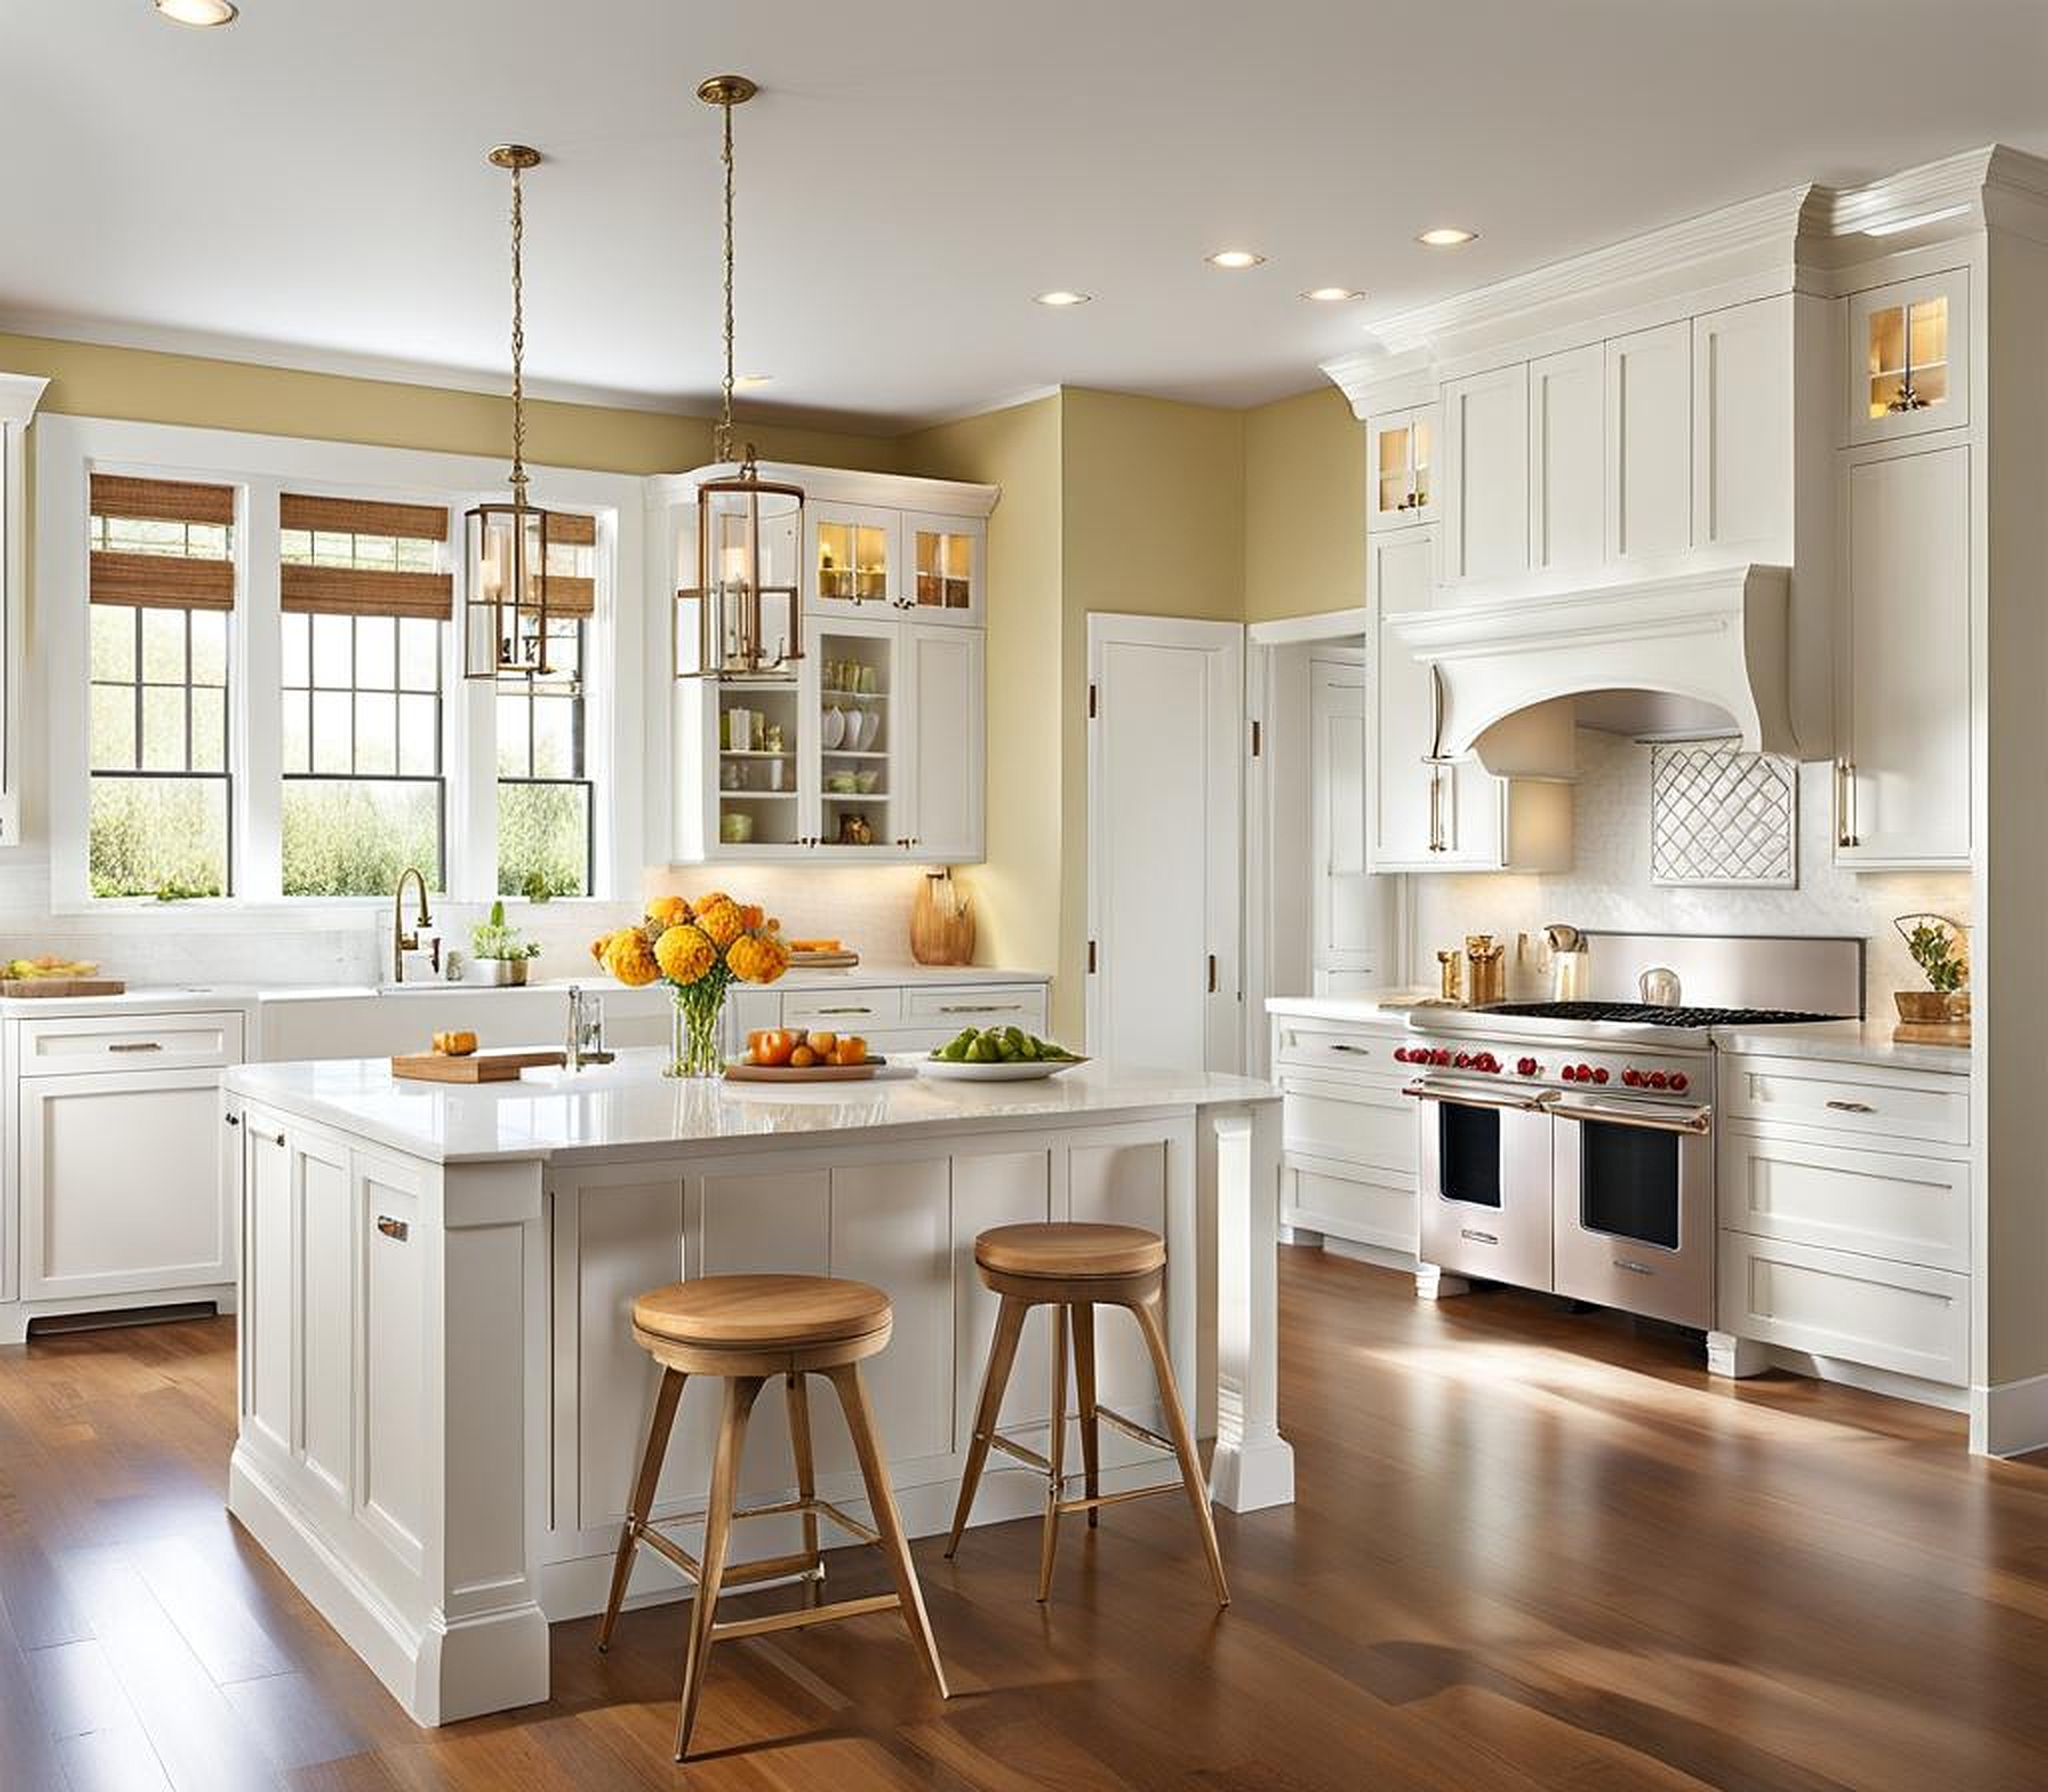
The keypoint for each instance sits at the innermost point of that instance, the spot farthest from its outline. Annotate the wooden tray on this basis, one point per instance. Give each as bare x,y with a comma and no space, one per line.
15,988
479,1067
814,1073
824,961
1932,1033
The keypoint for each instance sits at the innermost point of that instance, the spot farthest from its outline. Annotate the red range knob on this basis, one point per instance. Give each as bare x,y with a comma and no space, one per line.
1441,1055
1488,1062
1527,1065
1463,1061
1401,1054
1569,1074
1631,1079
1600,1076
1659,1080
1678,1081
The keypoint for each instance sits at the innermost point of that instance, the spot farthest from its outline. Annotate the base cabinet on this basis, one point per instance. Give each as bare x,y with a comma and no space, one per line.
1348,1164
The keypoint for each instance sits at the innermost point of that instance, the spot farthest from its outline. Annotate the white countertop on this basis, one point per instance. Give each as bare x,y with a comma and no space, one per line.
1387,1006
1844,1042
631,1104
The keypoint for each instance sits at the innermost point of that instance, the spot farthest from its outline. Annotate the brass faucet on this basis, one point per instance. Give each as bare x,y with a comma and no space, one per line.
401,941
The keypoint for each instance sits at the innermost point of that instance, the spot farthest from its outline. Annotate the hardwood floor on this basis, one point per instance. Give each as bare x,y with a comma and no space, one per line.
1531,1550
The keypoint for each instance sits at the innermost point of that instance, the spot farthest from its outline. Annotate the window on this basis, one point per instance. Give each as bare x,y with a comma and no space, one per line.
365,604
545,843
161,598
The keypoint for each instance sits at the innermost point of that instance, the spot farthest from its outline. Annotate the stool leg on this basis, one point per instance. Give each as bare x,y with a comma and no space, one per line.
995,1380
643,1501
740,1392
798,1399
1146,1313
1055,1453
882,1500
1084,1388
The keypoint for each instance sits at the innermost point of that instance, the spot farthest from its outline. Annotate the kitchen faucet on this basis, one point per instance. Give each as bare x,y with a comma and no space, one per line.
401,941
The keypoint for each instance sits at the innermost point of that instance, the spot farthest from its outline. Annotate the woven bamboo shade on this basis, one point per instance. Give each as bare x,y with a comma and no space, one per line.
366,590
363,516
568,530
161,499
162,581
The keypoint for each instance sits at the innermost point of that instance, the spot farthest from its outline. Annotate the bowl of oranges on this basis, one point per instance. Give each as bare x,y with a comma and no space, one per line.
792,1055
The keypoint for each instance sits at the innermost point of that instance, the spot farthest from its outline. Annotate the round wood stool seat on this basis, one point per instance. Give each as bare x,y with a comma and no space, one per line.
761,1312
1070,1250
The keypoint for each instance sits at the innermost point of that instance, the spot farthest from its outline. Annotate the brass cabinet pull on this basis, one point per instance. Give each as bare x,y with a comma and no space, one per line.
980,1008
1436,810
138,1045
1212,973
846,1010
1852,1108
390,1227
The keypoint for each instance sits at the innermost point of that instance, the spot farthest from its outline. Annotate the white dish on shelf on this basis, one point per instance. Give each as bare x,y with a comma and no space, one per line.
832,728
870,726
1017,1070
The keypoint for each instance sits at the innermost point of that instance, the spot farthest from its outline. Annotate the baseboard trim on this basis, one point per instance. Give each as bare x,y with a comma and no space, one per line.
2009,1418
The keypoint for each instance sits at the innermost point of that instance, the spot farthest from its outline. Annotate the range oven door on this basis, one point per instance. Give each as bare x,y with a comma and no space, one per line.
1635,1206
1484,1164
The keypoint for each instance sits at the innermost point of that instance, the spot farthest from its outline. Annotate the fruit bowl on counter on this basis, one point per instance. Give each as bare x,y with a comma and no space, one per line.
50,976
997,1055
792,1055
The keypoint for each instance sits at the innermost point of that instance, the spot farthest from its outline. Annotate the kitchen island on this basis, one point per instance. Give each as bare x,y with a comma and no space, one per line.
441,1404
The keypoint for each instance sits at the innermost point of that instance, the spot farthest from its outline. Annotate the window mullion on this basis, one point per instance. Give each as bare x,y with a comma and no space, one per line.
256,697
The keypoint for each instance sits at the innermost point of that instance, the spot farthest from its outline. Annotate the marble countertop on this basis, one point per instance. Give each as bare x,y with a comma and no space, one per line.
1844,1042
630,1105
1389,1005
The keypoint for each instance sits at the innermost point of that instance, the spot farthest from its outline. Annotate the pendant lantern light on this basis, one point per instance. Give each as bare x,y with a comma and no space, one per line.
750,530
505,610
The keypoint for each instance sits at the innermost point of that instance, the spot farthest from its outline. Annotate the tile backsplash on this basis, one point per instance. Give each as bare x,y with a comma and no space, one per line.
1609,885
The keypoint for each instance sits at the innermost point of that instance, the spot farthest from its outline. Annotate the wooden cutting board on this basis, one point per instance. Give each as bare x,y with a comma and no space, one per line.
814,1073
479,1067
15,988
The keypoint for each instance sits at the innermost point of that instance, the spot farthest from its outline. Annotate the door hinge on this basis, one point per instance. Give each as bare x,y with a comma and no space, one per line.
1091,958
1255,738
1091,703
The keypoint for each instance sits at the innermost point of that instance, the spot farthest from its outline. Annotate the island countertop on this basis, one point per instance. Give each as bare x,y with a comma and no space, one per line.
631,1104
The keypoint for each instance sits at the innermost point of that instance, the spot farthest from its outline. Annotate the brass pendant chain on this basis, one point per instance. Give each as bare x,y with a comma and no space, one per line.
721,437
518,344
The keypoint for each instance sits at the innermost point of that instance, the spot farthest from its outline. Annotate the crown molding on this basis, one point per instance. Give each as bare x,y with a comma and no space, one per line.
20,393
845,485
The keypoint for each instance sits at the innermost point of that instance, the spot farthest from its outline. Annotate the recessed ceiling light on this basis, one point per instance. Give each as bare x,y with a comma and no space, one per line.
1332,295
1059,295
1447,236
197,12
1235,259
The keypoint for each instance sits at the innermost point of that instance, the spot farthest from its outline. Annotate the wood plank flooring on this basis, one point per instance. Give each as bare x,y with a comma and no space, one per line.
1532,1550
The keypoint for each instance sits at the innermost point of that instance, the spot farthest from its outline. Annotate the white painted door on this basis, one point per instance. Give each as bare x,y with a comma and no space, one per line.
1567,481
1904,790
121,1188
1486,486
1742,474
852,559
1649,443
1398,575
943,579
942,728
1344,911
1165,745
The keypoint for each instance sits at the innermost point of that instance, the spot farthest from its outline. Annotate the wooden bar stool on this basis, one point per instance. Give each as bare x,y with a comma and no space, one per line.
745,1329
1075,1268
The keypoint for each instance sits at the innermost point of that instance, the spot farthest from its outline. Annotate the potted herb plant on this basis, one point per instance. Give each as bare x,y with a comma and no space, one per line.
1938,947
502,952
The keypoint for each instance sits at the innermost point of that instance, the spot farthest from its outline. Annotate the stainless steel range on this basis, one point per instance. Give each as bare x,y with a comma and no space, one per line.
1569,1145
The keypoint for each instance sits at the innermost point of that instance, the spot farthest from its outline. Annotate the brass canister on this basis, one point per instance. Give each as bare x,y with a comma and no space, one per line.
1451,976
1489,969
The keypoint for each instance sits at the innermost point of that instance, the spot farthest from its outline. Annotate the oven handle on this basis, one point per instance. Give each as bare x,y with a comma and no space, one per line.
1465,1095
1697,1121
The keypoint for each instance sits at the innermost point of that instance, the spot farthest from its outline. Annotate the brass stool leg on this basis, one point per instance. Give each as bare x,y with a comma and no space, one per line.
1146,1313
1084,1387
740,1392
643,1501
882,1499
995,1379
798,1399
1056,1452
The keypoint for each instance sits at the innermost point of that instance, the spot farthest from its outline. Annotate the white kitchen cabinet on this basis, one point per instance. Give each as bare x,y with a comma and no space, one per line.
1401,468
1343,913
1902,782
1347,1169
1742,431
896,1020
857,721
943,743
1908,358
1648,444
121,1185
943,581
853,557
1486,476
1567,483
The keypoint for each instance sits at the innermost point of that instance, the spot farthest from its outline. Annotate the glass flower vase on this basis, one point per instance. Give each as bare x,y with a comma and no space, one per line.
694,1028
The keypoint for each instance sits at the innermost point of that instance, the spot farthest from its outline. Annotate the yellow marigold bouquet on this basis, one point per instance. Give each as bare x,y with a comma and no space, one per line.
701,950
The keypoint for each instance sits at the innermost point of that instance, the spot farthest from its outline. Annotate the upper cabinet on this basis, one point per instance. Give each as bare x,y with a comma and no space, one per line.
1649,446
1567,489
1401,468
944,556
1742,430
854,557
1909,358
1486,476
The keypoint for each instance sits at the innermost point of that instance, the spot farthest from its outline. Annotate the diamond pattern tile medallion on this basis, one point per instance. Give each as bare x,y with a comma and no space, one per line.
1721,817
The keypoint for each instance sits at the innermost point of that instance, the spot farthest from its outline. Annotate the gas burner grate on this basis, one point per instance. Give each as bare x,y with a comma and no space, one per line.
1650,1014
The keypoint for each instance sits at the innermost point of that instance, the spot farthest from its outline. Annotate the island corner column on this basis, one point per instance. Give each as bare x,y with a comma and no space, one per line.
1238,1167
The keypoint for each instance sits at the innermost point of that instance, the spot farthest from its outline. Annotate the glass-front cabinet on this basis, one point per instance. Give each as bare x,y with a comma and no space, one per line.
945,569
856,558
1908,353
855,668
1400,467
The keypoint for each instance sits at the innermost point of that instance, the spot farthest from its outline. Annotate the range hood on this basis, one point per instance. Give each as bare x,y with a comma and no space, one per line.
1698,654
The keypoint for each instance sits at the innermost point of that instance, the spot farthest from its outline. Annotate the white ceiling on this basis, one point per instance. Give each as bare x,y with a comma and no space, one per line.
311,181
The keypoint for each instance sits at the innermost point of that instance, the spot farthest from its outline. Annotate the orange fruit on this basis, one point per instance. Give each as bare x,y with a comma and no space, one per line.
803,1057
823,1044
851,1050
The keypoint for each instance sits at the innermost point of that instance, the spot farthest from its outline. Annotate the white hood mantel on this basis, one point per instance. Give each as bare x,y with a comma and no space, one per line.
1715,640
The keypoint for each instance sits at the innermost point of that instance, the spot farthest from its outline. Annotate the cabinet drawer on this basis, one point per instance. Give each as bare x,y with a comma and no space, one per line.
1890,1316
1323,1045
1848,1097
1323,1198
1878,1203
1020,1005
854,1010
1367,1128
79,1044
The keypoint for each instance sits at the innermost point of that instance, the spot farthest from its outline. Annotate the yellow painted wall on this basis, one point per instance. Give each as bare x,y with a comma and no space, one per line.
1018,892
1304,507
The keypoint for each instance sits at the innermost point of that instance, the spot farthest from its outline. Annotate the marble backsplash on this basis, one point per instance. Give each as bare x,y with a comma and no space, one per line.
1609,887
